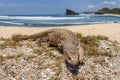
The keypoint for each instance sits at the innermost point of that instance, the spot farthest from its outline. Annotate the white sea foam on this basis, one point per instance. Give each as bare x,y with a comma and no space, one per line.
78,23
58,20
112,15
39,18
7,22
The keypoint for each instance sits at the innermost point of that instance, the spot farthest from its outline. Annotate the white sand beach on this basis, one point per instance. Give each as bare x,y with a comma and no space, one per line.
111,30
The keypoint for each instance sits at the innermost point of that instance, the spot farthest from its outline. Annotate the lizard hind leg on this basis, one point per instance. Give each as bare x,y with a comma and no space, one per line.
44,41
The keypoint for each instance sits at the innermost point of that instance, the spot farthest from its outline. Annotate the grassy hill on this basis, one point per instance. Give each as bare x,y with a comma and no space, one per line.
110,11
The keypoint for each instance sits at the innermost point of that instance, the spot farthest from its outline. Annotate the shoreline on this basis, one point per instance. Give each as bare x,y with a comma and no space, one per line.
112,30
113,15
79,25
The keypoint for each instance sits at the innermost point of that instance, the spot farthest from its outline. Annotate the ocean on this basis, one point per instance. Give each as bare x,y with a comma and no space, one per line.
54,20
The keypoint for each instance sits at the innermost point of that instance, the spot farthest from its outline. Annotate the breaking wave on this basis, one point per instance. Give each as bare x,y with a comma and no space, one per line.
11,22
57,20
39,18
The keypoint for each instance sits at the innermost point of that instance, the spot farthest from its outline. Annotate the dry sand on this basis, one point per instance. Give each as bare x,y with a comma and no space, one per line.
110,30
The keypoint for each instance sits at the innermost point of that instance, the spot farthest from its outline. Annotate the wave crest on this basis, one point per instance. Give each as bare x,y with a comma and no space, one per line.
39,18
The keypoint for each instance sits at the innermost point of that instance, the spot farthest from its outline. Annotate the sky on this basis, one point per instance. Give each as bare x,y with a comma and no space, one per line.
53,6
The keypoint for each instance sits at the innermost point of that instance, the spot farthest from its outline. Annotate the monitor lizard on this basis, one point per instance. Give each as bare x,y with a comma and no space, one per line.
64,40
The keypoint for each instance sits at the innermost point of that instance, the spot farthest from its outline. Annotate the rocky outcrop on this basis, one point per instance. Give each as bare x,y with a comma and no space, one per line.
103,11
108,11
71,12
115,11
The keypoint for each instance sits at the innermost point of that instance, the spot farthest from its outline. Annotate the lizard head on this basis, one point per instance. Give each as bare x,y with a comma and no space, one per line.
71,53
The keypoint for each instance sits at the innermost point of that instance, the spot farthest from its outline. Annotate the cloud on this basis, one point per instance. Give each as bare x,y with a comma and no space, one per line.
90,6
110,3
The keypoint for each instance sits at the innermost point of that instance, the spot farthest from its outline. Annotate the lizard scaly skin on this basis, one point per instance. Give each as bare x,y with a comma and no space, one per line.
65,40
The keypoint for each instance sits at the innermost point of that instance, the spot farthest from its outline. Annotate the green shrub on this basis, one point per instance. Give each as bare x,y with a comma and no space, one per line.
102,37
79,35
90,40
10,43
16,37
91,44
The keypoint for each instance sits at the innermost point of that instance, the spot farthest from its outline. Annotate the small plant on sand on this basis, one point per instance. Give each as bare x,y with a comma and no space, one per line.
5,43
100,37
115,45
90,41
79,35
16,37
9,43
91,44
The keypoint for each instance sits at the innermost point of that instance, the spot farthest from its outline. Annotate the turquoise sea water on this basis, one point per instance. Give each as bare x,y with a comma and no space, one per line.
52,20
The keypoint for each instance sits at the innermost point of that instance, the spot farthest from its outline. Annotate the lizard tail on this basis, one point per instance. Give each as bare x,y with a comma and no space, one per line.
37,35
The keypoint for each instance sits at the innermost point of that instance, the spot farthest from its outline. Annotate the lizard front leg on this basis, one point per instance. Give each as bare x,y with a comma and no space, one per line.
60,47
44,41
81,54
